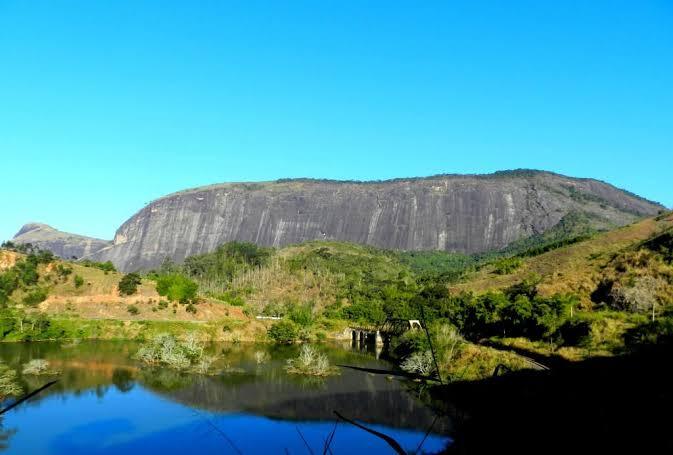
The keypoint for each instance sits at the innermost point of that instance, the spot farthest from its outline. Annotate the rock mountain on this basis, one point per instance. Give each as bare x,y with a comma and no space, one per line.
459,213
60,243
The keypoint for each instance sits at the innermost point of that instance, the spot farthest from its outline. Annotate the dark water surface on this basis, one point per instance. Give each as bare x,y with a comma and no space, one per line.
107,403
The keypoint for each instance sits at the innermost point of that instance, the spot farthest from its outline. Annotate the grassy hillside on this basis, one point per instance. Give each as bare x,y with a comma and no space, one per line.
53,299
576,268
621,279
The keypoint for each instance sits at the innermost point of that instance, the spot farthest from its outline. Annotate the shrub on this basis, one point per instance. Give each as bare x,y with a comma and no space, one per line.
164,349
310,362
283,332
506,266
177,288
37,367
27,272
43,256
640,297
204,364
35,297
9,385
191,308
104,266
419,363
301,314
128,285
659,331
162,304
575,332
274,309
63,271
9,281
133,310
79,281
262,357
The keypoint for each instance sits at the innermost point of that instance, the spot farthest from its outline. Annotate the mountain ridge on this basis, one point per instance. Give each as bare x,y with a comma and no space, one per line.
447,212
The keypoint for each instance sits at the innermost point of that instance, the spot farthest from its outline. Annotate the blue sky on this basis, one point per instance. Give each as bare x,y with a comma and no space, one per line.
106,105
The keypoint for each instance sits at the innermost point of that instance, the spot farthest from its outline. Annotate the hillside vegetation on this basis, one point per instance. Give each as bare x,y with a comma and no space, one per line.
571,293
577,267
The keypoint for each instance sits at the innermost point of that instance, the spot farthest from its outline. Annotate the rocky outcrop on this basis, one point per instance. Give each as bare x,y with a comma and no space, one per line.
62,244
460,213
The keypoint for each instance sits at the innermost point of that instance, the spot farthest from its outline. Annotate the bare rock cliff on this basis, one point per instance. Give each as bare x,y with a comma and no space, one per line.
461,213
62,244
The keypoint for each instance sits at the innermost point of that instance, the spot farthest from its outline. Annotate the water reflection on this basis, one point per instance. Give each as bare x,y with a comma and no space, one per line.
105,398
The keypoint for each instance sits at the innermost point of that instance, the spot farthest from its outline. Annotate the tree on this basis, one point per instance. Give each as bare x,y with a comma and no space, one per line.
9,281
27,271
128,285
283,332
177,288
482,316
419,363
516,316
107,266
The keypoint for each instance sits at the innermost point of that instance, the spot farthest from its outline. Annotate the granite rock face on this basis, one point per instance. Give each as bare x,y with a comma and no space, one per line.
62,244
459,213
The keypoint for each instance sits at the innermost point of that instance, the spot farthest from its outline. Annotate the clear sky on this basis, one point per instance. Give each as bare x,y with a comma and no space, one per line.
106,105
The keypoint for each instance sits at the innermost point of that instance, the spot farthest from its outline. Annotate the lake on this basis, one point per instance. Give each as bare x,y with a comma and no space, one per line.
107,403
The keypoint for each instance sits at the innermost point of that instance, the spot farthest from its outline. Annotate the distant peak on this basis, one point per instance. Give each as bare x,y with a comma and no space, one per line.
29,227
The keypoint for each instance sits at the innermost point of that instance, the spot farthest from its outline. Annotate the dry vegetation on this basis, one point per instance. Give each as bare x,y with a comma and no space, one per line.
576,268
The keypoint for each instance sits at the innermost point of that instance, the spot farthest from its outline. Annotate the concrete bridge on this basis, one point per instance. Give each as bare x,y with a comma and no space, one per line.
381,335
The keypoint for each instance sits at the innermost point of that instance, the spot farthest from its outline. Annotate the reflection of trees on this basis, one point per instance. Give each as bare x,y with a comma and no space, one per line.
164,379
5,434
122,378
243,386
9,385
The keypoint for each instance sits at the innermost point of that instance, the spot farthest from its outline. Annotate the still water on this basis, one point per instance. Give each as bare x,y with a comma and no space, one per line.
107,403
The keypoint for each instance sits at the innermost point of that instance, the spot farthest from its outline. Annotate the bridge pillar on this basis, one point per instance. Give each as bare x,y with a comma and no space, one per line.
378,339
362,337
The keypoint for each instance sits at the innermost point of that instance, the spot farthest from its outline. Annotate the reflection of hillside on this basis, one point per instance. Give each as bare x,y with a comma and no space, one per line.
368,398
266,390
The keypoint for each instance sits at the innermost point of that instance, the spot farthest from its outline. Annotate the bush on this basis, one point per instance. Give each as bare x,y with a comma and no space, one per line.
575,332
310,362
133,310
63,271
301,315
191,308
659,331
419,363
27,272
79,281
165,349
9,281
283,332
128,285
506,266
9,385
262,357
104,266
230,297
37,367
177,288
35,297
